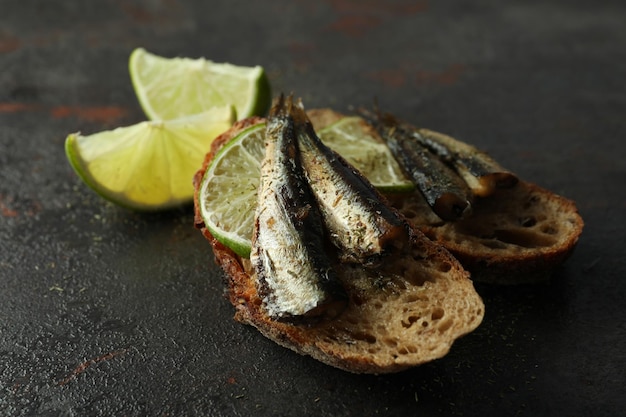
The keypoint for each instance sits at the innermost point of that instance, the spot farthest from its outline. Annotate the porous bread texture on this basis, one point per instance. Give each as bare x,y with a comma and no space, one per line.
401,315
517,235
397,318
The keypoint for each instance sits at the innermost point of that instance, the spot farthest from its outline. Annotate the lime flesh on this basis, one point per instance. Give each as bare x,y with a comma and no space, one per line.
149,165
170,88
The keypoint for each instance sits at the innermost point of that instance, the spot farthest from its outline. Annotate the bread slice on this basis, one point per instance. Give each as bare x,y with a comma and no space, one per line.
398,316
517,235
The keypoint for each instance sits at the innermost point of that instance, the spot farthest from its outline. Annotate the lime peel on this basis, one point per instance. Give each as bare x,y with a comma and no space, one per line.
150,165
169,88
229,213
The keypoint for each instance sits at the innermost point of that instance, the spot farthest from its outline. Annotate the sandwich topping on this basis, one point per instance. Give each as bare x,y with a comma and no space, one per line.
449,173
314,211
295,274
361,224
446,193
479,170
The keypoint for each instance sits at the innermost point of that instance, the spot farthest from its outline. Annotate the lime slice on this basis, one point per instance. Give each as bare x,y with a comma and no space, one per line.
228,191
170,88
357,142
149,165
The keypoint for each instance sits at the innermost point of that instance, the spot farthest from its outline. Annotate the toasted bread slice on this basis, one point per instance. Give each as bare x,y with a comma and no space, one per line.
405,314
517,235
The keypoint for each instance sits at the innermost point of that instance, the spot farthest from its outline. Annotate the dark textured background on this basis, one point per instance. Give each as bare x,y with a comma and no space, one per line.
109,312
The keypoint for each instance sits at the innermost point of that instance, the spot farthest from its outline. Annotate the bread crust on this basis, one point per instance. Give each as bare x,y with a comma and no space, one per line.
516,236
400,316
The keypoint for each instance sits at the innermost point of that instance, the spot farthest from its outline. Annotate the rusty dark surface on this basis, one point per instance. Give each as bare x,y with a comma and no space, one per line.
109,312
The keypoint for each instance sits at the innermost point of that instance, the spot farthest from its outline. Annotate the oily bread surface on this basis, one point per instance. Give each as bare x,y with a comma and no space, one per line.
517,235
398,316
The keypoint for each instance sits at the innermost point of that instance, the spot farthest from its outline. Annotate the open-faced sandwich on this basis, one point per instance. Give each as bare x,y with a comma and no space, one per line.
341,272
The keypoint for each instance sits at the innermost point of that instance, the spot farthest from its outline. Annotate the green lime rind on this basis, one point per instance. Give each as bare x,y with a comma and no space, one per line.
169,88
72,152
231,221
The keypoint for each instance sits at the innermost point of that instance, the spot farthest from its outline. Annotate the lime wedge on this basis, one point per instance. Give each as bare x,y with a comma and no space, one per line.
170,88
360,145
228,190
149,165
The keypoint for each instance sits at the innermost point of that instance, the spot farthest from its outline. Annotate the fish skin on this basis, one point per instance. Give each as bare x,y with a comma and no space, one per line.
479,170
360,222
444,190
295,275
